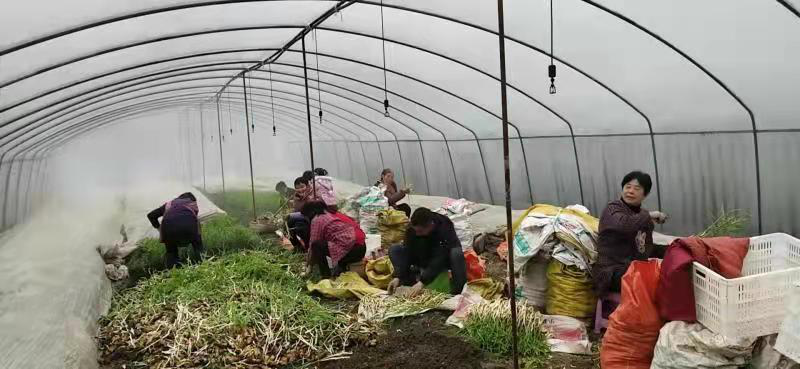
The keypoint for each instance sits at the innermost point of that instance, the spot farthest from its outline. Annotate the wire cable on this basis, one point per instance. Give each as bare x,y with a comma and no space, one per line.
272,102
319,91
385,84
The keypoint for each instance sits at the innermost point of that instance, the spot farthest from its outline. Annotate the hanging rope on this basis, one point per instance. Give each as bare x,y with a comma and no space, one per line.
385,86
272,102
319,91
551,70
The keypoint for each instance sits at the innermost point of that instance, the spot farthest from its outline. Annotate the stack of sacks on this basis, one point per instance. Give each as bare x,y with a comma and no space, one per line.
459,212
369,202
564,241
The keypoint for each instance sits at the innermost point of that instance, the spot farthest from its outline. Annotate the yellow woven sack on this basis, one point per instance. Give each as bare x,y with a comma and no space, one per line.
392,226
380,272
569,291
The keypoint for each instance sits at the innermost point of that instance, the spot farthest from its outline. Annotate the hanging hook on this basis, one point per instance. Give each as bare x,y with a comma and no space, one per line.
551,70
386,108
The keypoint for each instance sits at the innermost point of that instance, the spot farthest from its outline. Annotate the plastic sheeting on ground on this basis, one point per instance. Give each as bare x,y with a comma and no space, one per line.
54,287
686,346
347,285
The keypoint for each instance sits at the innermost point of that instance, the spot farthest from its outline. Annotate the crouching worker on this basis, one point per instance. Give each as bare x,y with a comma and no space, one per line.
179,226
333,235
431,247
297,223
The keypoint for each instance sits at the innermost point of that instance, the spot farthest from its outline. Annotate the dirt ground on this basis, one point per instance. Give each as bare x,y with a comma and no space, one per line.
418,342
425,342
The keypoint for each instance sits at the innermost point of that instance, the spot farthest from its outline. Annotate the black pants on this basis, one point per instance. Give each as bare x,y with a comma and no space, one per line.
409,270
299,230
404,208
175,236
320,249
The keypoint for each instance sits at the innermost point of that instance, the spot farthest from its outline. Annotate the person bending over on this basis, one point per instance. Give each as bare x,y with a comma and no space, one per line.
391,192
431,247
179,226
626,233
333,235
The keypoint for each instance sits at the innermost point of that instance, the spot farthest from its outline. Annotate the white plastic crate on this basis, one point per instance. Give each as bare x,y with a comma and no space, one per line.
754,304
788,342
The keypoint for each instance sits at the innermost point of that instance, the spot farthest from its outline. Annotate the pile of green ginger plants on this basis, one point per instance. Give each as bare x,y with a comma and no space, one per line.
245,306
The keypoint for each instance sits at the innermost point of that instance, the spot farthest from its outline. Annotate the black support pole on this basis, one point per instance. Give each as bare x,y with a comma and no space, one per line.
203,146
509,235
221,160
308,110
249,147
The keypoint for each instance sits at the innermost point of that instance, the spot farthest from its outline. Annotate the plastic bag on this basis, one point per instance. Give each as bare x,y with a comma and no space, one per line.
567,335
392,225
476,267
685,346
380,272
633,327
347,285
569,291
532,282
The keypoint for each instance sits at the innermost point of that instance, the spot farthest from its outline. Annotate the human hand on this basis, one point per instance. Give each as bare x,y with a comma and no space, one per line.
393,286
415,290
658,217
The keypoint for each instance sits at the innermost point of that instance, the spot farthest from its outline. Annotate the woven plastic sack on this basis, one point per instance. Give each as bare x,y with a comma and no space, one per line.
392,225
369,204
569,291
476,267
687,346
347,285
633,327
380,272
532,282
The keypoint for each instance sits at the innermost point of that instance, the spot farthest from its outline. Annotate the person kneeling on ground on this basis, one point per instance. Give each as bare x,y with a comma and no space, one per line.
431,247
179,227
298,224
626,233
333,235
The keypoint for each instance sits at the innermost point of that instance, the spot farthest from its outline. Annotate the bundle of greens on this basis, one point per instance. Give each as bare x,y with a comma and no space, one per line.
727,223
381,307
488,326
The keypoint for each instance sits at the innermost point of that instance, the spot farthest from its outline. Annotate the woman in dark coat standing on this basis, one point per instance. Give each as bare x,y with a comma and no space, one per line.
626,233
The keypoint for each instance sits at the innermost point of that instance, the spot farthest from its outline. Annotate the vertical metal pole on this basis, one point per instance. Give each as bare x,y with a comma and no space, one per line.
308,111
221,160
249,147
509,235
203,146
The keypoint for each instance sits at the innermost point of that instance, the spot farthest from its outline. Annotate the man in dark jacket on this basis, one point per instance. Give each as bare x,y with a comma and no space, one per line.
431,247
179,226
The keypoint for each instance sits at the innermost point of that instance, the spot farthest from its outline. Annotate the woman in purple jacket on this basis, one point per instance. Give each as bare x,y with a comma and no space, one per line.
626,233
179,226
